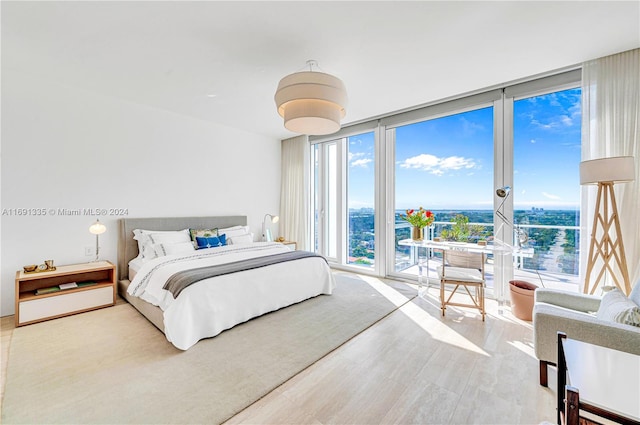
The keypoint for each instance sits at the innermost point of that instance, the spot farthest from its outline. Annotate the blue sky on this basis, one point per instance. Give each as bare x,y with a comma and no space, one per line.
447,163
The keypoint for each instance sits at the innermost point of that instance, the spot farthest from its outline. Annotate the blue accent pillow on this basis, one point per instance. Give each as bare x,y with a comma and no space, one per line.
211,241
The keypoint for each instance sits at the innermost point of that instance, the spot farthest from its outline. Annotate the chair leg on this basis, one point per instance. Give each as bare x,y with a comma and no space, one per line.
543,373
442,302
482,310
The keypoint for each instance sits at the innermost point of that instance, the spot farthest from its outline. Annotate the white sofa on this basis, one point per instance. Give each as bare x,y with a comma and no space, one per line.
573,314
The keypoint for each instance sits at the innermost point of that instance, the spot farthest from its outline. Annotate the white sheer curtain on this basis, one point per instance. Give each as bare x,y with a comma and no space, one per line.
610,127
294,190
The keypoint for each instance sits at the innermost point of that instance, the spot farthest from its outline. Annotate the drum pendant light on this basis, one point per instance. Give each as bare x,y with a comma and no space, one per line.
311,102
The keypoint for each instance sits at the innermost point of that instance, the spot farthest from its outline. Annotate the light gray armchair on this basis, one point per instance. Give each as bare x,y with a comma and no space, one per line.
570,313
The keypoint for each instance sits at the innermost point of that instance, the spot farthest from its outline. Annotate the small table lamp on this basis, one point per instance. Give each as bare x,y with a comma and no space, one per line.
266,232
606,236
97,228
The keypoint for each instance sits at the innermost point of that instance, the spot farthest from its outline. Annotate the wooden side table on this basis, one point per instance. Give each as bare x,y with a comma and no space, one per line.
96,288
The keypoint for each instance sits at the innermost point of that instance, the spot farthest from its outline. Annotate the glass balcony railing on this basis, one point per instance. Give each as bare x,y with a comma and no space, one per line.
552,259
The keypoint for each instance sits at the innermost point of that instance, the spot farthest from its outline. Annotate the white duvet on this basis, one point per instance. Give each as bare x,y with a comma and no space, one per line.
208,307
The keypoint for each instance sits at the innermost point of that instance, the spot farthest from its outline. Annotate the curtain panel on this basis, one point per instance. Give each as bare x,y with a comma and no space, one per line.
610,127
294,190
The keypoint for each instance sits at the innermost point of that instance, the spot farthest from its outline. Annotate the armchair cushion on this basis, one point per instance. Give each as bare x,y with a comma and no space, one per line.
615,307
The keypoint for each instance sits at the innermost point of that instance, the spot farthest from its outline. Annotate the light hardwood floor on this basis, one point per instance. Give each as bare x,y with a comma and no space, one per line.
413,367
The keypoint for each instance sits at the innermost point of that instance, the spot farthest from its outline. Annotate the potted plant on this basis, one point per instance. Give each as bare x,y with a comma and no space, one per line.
419,219
462,231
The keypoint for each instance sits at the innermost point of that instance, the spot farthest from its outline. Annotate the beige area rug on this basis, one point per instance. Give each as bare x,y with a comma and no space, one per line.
113,366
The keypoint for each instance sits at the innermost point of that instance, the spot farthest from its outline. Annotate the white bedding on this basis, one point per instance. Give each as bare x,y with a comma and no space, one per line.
206,308
134,266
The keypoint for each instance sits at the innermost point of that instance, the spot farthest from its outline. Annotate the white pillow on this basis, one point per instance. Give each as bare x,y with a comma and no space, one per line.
147,238
234,231
162,249
616,307
240,239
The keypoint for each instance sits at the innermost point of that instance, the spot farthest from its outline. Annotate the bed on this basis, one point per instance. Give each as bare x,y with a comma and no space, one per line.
191,294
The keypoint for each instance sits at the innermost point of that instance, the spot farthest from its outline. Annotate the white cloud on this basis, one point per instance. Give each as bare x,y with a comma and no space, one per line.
550,196
361,162
533,141
359,159
436,165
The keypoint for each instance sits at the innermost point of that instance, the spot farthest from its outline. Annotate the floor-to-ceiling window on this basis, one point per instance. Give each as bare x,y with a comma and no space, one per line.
450,157
361,199
546,157
344,199
444,165
327,198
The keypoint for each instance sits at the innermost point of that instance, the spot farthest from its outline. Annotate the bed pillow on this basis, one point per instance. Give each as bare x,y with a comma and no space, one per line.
210,241
162,249
616,307
241,239
147,238
205,233
166,238
234,231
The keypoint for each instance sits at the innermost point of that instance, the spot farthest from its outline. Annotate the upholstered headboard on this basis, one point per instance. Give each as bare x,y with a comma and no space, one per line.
128,247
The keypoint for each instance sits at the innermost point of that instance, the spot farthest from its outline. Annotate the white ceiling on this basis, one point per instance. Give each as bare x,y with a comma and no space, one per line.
390,55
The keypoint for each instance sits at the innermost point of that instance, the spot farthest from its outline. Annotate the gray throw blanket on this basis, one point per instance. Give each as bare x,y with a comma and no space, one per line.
179,281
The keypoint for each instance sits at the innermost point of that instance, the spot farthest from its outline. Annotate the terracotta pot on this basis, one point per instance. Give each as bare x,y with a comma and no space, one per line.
417,233
522,298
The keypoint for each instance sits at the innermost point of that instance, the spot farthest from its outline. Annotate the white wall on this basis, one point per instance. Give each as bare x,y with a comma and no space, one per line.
68,148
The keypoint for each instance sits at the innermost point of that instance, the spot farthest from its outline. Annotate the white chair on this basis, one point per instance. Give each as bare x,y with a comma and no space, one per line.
463,269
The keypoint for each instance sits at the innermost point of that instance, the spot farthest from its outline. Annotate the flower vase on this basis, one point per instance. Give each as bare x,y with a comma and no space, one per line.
417,233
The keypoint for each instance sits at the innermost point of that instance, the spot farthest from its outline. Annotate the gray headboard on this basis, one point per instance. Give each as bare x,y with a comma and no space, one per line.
128,247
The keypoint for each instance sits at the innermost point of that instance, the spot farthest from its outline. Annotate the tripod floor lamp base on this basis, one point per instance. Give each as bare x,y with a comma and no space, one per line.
608,247
606,257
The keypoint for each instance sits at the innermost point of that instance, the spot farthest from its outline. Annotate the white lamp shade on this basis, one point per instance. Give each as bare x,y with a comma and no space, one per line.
275,219
311,102
614,169
97,228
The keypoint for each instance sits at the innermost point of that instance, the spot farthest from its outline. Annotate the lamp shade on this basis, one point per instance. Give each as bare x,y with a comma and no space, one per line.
613,169
97,228
311,102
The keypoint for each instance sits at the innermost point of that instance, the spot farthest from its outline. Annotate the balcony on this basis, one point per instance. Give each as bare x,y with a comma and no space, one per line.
553,265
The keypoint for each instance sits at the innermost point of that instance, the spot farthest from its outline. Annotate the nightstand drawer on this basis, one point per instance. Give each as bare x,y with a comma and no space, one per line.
64,304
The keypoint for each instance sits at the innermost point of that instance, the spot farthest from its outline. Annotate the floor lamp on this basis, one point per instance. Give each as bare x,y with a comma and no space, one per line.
606,250
521,236
501,249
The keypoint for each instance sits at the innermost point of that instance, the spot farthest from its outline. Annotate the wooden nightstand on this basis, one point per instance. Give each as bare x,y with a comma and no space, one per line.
96,289
292,245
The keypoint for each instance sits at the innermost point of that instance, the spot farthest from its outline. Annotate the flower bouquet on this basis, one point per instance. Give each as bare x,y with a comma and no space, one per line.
419,219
